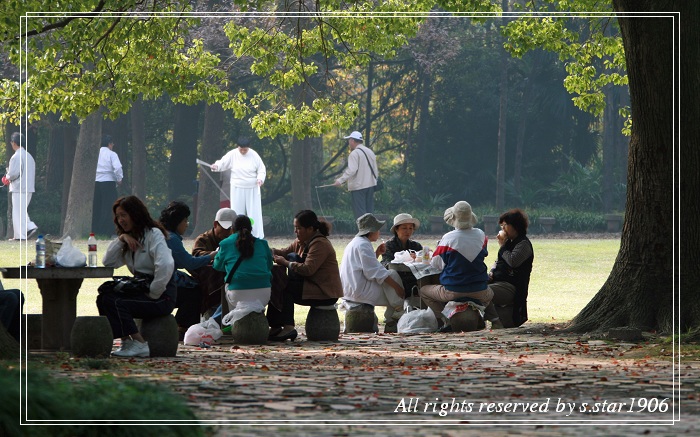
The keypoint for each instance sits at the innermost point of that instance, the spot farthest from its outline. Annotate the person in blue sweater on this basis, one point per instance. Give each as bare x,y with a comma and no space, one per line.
460,258
247,262
189,296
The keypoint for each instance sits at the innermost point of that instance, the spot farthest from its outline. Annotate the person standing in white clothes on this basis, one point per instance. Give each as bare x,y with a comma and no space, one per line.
20,178
247,176
108,175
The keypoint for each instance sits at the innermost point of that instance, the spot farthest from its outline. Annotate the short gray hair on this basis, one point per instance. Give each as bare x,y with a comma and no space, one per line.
17,138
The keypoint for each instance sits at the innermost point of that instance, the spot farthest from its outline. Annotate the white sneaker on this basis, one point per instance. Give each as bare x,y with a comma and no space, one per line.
133,348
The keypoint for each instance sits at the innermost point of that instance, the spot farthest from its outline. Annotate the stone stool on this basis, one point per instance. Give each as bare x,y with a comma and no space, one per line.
32,331
91,336
467,321
505,313
361,318
161,335
251,329
322,324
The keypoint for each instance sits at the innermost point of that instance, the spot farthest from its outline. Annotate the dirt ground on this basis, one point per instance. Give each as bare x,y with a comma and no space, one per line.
532,380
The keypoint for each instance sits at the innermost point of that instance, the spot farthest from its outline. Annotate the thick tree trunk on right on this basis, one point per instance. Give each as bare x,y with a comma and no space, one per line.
640,289
78,219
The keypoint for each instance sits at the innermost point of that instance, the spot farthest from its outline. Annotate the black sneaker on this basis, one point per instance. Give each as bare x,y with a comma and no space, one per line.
445,328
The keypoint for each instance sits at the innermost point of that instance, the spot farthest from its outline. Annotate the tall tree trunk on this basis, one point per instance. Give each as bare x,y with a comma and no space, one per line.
640,289
300,169
78,217
138,147
70,138
54,162
208,194
368,104
183,168
502,124
520,137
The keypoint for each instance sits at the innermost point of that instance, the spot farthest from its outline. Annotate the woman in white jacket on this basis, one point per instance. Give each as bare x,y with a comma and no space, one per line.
142,248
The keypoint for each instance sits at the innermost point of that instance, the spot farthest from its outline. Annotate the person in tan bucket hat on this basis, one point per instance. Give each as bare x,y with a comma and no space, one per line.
460,258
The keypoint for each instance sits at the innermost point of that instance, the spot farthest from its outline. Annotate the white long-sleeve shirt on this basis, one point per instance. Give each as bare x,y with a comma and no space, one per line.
154,258
361,273
358,173
21,172
245,169
109,168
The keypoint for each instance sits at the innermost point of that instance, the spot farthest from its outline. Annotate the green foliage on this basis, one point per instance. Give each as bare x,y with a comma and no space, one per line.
588,42
104,398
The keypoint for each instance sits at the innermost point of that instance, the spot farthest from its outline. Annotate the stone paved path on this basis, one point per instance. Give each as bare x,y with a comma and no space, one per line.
392,384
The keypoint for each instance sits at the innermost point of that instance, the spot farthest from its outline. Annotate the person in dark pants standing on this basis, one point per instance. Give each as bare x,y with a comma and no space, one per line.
108,176
361,175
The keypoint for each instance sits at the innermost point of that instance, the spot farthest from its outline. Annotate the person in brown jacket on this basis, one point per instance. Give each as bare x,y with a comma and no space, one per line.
314,278
211,282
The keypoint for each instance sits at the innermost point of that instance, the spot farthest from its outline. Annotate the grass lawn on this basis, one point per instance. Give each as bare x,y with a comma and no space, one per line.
567,273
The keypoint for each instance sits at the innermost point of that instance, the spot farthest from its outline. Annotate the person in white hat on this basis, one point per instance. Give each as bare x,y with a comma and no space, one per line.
460,258
247,176
361,175
404,227
211,282
364,278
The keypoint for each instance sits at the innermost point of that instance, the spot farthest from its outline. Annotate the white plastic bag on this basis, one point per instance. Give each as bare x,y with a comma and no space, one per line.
243,308
402,257
196,333
69,255
416,321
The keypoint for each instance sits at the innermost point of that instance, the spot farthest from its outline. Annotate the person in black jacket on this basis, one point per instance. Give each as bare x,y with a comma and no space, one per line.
509,277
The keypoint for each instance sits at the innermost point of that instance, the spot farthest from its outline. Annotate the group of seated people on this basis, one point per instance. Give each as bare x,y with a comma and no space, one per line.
228,260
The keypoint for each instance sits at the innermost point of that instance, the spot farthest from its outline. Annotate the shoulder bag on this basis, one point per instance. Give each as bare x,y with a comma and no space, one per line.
380,183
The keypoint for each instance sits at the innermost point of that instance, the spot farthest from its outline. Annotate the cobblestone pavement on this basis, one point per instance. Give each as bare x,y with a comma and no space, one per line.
534,380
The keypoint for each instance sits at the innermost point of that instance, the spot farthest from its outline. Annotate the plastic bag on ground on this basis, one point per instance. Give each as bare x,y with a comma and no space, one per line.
69,255
242,309
206,329
417,321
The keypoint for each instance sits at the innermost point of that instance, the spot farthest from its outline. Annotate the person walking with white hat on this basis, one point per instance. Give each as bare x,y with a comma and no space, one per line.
361,175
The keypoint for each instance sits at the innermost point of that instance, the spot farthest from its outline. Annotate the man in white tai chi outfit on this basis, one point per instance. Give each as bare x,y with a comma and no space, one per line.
20,178
247,176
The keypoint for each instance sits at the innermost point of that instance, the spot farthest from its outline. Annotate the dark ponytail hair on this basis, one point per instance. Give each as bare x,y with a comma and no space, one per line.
245,242
309,219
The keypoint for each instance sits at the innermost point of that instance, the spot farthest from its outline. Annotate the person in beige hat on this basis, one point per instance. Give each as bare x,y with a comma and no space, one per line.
364,278
460,258
404,227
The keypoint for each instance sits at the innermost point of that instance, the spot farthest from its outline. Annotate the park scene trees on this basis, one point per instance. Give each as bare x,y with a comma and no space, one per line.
500,109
